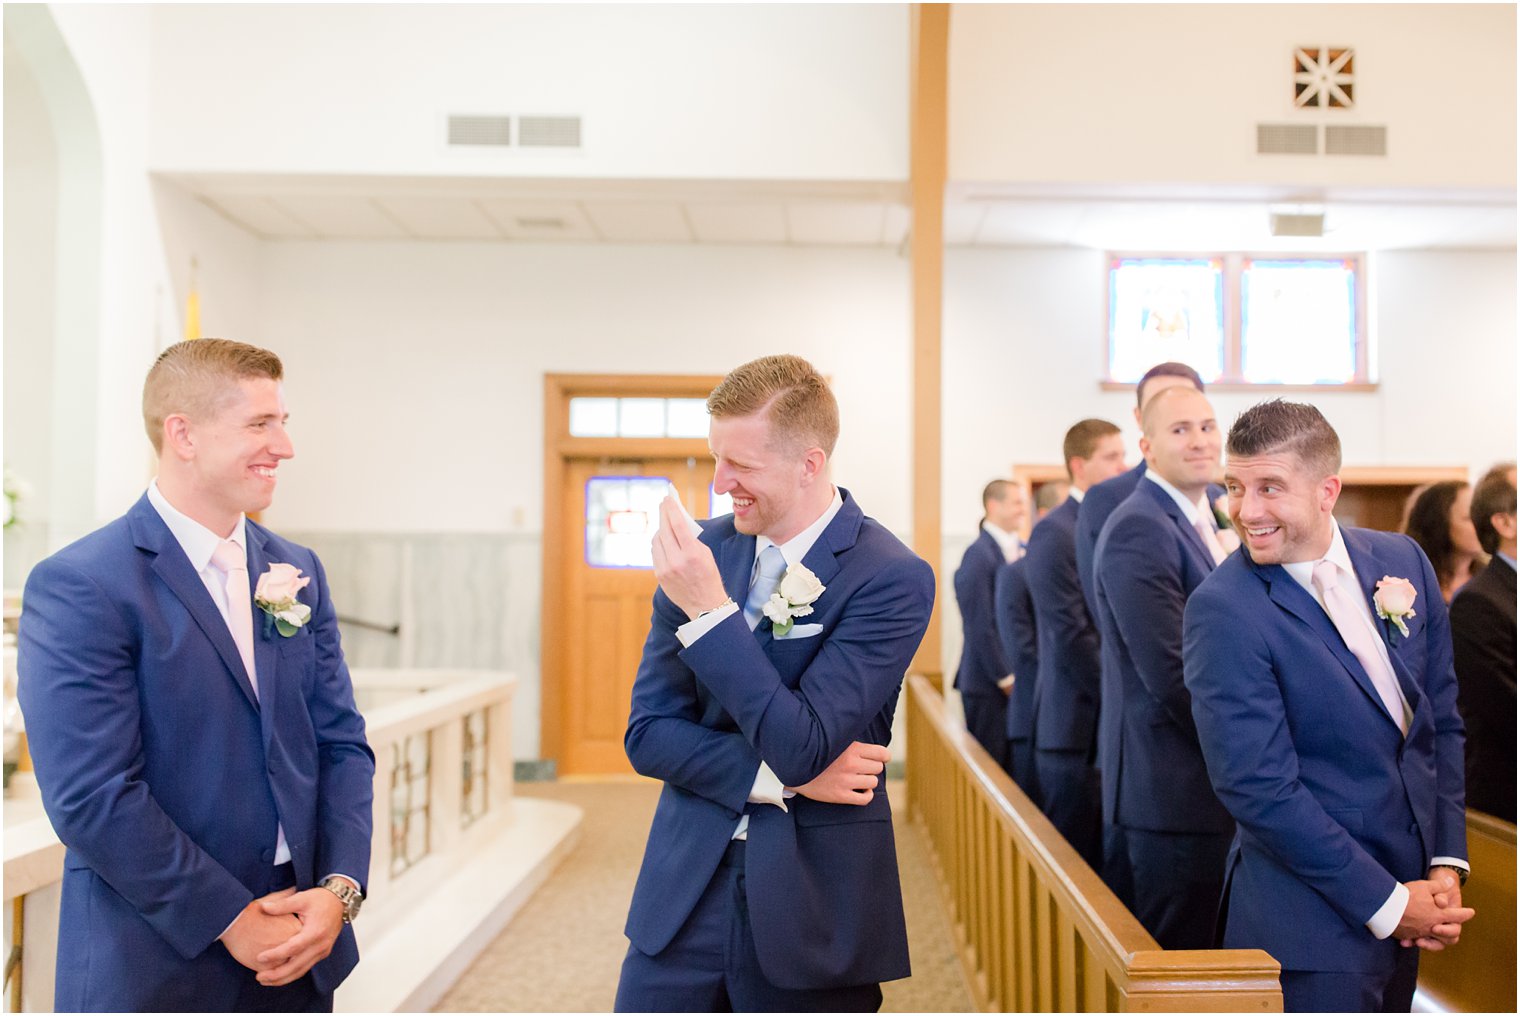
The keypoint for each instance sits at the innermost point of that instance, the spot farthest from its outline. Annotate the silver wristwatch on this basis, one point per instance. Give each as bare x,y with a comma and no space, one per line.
352,898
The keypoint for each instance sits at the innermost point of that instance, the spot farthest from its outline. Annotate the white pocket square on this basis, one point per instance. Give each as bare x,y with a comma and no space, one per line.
802,631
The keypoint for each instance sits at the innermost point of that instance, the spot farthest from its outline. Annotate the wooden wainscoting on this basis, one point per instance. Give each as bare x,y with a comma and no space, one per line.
1037,929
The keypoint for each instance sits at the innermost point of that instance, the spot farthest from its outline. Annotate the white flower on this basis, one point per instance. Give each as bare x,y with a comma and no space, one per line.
798,588
276,596
1394,599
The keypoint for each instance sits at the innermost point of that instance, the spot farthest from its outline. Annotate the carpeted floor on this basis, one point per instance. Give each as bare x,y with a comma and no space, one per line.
563,950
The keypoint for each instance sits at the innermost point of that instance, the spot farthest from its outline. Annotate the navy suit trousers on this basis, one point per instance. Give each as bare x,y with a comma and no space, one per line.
1335,991
1071,796
987,721
711,964
1176,879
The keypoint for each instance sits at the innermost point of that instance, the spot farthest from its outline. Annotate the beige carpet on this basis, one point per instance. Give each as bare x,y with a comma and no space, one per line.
563,950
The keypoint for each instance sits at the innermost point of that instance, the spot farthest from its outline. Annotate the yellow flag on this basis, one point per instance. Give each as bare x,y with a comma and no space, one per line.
193,314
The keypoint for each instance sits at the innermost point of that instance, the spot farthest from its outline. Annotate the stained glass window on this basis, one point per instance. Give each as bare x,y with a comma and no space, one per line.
622,514
1165,309
1298,321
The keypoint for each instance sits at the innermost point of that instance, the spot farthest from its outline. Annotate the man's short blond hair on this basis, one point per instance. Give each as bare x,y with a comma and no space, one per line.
795,398
194,377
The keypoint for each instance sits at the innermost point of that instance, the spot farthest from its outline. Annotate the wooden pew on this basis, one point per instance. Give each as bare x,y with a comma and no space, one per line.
1478,975
1037,929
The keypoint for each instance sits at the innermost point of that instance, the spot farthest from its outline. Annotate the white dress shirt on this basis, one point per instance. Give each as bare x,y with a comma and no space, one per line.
1009,543
1382,923
767,788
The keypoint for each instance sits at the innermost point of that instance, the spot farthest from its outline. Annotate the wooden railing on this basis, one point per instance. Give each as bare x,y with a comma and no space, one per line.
1037,929
1478,975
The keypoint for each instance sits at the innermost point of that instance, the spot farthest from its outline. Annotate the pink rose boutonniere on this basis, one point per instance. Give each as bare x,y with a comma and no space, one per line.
1394,600
276,597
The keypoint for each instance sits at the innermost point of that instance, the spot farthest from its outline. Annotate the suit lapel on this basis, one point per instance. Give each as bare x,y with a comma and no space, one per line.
1299,602
1189,534
1369,570
266,655
172,566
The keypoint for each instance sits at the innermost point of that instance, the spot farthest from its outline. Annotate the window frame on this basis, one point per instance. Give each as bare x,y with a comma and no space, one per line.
1233,263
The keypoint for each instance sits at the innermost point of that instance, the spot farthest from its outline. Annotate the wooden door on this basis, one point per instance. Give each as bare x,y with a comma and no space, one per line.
608,586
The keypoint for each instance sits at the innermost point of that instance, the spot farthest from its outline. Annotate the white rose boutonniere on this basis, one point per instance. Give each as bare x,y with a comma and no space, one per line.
276,597
1394,600
798,588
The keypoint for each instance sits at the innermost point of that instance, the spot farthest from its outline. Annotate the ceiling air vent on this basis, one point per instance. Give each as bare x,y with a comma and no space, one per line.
1297,224
490,131
1287,139
549,131
1348,140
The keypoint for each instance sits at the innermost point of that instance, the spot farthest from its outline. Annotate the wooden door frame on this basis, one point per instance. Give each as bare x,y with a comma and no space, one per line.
559,447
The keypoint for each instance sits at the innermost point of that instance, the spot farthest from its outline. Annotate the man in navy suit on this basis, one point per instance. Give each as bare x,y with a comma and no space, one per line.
201,758
1319,662
1155,549
1018,631
764,701
1065,714
984,675
1483,642
1104,497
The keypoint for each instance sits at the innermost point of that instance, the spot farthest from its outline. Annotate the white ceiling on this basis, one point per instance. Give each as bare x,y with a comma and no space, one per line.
844,213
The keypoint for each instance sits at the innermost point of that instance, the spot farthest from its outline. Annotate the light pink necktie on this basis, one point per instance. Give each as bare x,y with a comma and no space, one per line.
1211,541
232,562
1359,639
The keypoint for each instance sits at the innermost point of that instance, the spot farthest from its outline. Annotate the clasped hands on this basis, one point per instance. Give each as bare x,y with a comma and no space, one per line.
285,934
1434,915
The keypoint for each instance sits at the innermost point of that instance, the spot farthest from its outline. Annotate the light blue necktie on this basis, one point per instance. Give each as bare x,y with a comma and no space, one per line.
768,572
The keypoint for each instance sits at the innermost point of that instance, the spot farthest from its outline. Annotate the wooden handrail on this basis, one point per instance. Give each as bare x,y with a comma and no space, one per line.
1038,931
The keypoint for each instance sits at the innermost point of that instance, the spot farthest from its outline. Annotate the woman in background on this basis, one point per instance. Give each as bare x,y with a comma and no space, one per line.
1439,523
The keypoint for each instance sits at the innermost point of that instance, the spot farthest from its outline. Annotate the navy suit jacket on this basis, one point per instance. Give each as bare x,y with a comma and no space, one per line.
1098,503
821,879
1335,806
166,777
1148,561
1018,631
1066,690
982,663
1483,641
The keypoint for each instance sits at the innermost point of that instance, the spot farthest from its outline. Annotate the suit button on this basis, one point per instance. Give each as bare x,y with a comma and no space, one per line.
267,856
1414,827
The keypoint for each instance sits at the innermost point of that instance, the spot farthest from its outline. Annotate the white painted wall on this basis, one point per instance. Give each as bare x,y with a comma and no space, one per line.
225,261
416,369
1078,93
31,213
683,91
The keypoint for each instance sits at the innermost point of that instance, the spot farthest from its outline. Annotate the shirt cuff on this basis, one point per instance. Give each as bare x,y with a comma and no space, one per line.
1383,923
338,874
693,630
768,789
1006,682
1455,862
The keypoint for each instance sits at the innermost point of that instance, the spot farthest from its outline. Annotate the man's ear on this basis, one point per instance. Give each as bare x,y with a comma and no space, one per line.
814,464
1504,524
1329,492
178,441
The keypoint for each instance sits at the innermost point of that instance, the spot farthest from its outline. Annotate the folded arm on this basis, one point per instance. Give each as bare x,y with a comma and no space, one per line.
860,667
1141,579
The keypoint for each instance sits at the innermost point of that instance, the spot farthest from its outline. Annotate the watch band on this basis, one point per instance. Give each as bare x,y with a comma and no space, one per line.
352,898
1462,873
